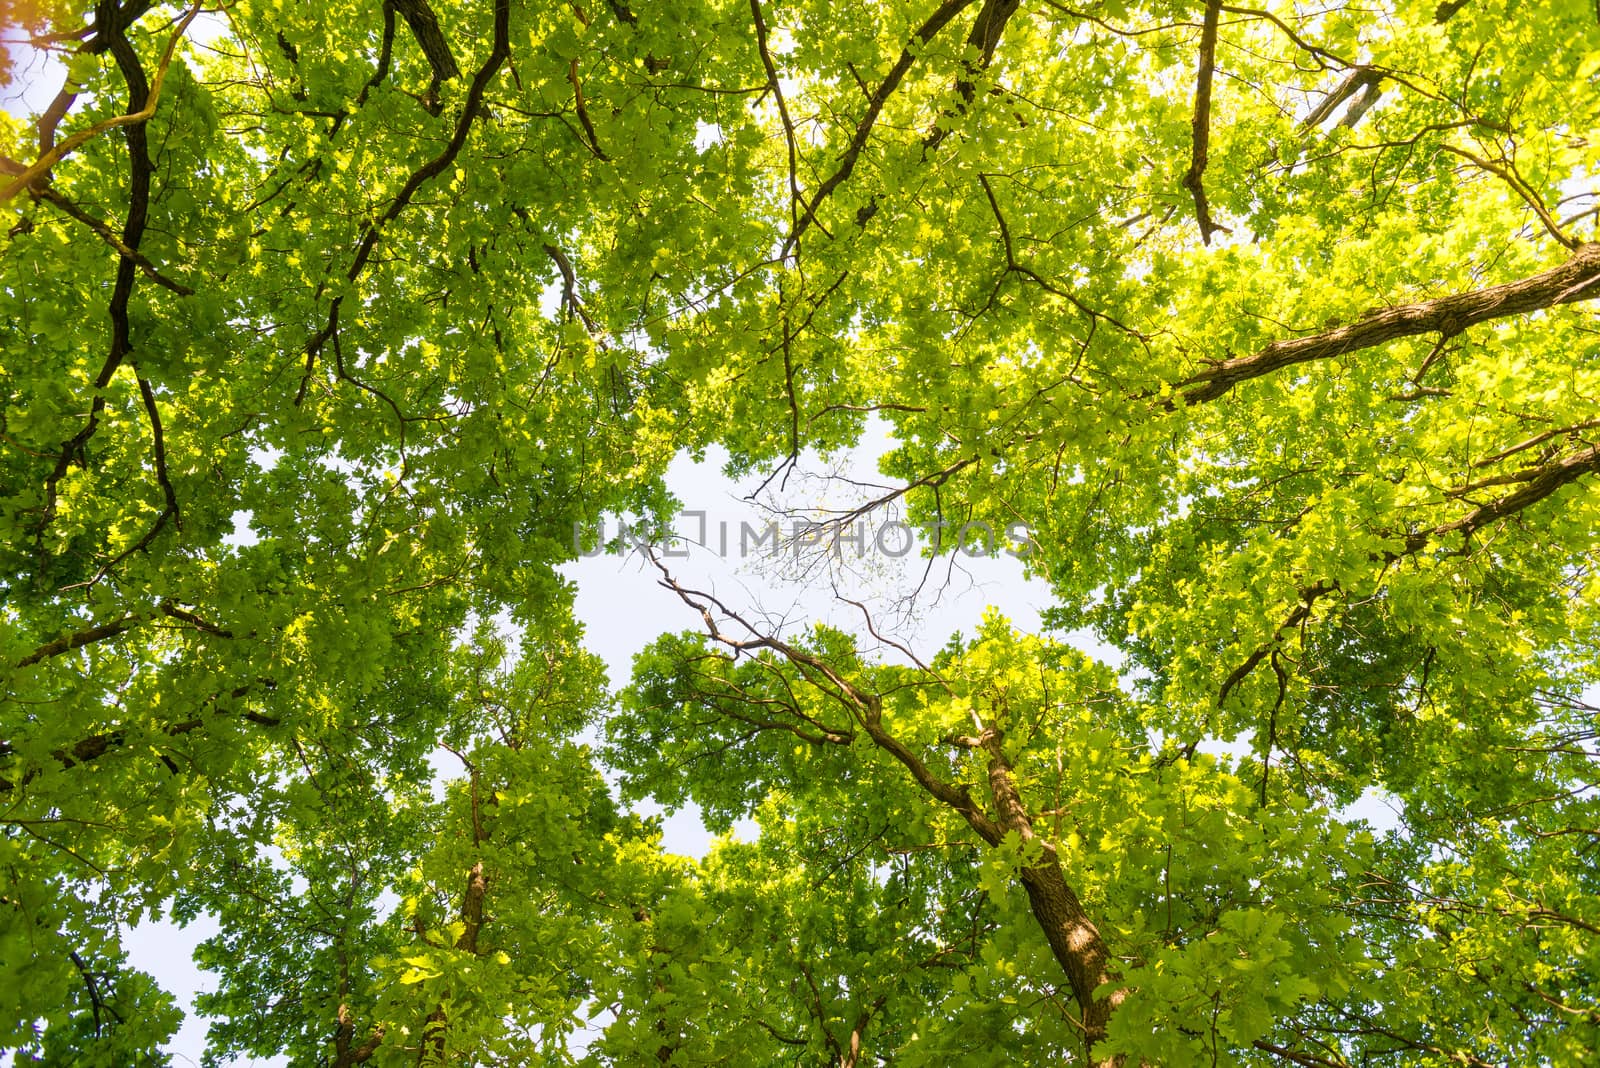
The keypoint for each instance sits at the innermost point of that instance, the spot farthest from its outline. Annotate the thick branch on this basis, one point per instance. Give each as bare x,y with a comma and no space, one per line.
1308,1060
1302,611
111,26
52,116
472,909
437,1023
1576,279
1202,120
852,1056
1539,482
985,37
142,105
956,798
381,70
425,28
78,640
1359,79
346,1055
1074,939
569,287
989,25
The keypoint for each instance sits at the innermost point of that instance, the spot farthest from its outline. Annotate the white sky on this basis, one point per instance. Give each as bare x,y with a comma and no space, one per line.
623,608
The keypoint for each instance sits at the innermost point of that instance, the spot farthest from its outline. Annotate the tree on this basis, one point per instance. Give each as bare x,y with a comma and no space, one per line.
327,326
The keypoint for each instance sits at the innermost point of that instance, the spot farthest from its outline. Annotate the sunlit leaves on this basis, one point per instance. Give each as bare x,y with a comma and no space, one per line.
283,643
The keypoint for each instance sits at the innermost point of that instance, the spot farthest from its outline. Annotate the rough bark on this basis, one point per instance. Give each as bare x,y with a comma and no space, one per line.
1202,121
1576,279
1074,939
430,38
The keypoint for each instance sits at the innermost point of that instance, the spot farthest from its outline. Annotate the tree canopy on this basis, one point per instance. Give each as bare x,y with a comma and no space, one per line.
326,325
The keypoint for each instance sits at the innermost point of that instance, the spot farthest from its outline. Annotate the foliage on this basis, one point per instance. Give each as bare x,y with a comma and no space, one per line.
327,325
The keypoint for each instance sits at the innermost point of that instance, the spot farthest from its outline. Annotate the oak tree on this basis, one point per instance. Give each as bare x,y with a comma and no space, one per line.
326,326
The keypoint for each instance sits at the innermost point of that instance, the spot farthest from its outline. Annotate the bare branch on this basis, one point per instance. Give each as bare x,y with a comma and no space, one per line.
1359,78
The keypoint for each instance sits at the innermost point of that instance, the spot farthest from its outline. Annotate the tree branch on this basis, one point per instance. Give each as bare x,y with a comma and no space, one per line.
985,37
111,25
425,28
97,745
499,52
50,196
79,639
1074,939
1508,174
774,84
593,139
1358,79
1539,482
1202,121
158,437
139,113
858,141
1576,279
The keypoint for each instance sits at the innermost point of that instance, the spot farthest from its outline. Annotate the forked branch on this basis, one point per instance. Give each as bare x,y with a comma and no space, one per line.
53,155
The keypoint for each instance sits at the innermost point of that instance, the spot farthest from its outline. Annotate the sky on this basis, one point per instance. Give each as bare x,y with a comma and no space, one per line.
623,607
